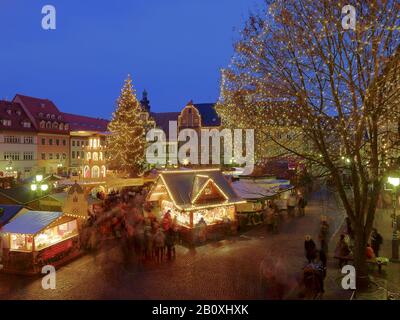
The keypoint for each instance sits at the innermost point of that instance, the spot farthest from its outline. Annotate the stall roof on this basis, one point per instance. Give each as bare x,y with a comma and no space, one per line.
182,185
31,222
9,212
260,189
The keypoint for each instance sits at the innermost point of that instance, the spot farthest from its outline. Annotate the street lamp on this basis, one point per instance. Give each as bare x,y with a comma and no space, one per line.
395,182
38,184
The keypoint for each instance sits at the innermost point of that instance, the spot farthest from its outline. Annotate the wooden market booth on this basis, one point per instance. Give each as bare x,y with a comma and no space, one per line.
38,238
196,197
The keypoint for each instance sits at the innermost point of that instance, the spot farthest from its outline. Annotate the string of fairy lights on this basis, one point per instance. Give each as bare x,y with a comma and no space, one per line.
126,143
296,70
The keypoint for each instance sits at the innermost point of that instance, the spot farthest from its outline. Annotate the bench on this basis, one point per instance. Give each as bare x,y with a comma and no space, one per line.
380,261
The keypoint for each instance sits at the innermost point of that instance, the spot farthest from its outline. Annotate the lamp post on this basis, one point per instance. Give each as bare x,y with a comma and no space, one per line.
395,182
38,185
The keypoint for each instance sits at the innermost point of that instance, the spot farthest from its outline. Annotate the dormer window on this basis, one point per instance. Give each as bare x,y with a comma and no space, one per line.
18,112
48,125
53,117
48,116
55,125
61,126
6,123
66,126
9,111
59,118
26,124
42,124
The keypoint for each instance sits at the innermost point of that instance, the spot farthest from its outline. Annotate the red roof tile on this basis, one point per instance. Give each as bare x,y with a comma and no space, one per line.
44,110
84,123
16,114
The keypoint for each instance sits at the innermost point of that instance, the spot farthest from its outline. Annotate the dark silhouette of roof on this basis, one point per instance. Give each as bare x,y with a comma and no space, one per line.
162,120
209,117
84,123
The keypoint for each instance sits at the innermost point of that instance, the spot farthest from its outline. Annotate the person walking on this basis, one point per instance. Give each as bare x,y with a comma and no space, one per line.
323,234
269,218
310,248
302,203
159,244
291,205
376,241
342,251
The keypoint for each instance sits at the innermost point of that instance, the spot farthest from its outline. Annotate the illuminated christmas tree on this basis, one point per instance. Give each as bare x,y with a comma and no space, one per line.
126,144
299,67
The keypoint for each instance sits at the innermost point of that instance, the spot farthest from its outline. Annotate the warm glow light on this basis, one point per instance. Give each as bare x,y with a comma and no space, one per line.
33,187
39,177
44,187
395,182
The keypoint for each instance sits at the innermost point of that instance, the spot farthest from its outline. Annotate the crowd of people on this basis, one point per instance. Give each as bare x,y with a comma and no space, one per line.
272,214
143,238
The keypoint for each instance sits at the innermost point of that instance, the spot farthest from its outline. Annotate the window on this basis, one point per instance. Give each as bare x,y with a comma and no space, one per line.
55,125
66,126
26,124
51,142
43,156
12,139
64,156
50,156
48,125
73,154
28,155
64,142
57,142
28,140
53,117
42,124
82,155
73,143
9,111
95,156
14,156
88,155
41,114
61,126
43,141
6,123
57,156
18,112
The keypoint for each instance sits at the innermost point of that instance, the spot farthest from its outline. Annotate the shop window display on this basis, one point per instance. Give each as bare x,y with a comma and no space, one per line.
56,234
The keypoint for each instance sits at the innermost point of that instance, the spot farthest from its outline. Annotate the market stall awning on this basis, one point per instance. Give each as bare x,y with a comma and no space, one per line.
254,190
31,222
7,212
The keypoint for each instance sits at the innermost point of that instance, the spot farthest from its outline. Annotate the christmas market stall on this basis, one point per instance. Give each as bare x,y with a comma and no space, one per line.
38,238
202,202
257,193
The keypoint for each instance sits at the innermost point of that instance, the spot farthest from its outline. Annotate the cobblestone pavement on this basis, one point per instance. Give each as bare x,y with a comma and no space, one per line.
227,269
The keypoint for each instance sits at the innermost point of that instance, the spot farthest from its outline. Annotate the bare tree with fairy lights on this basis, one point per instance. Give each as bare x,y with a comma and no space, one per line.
336,91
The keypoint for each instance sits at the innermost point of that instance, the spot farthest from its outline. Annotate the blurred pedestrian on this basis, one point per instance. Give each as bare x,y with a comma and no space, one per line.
376,241
310,248
342,251
324,234
159,245
291,204
302,203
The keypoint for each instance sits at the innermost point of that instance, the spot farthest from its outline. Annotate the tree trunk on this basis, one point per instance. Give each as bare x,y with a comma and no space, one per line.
360,259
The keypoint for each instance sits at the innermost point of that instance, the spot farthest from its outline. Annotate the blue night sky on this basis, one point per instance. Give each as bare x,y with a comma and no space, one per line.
173,48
